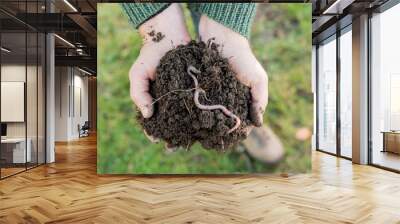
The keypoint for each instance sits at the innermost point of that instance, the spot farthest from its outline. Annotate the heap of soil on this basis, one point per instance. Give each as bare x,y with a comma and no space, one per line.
176,118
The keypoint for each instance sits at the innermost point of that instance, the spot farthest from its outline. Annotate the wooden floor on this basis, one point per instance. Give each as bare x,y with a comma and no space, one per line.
10,171
386,159
69,191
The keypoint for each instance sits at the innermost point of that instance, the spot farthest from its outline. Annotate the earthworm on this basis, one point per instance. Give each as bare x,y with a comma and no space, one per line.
198,90
173,91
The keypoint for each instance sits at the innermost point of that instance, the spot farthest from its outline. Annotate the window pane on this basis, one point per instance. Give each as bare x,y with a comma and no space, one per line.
14,150
31,97
386,89
346,94
41,99
327,96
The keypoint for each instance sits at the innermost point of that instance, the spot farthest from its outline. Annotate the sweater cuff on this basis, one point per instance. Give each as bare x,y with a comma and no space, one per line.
139,13
237,17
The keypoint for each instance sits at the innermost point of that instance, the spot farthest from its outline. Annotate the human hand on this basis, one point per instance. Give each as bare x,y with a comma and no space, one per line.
144,68
249,71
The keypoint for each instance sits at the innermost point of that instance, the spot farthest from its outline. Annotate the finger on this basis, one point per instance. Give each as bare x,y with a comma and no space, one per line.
139,91
169,148
151,138
248,129
259,93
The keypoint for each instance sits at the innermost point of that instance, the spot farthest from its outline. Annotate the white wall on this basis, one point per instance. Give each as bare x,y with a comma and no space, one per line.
62,81
12,73
71,93
80,100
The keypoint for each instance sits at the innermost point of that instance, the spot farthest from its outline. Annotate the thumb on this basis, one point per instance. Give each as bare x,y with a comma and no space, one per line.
259,93
139,90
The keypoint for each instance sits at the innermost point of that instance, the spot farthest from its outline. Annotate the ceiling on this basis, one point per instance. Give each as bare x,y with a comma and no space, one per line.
331,15
74,22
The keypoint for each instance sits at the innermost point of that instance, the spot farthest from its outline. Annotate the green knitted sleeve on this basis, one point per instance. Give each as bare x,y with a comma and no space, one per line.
139,13
236,16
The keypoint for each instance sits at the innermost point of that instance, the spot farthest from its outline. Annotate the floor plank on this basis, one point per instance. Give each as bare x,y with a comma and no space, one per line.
70,191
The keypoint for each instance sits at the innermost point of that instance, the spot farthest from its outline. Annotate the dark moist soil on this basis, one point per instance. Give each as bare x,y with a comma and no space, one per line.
176,118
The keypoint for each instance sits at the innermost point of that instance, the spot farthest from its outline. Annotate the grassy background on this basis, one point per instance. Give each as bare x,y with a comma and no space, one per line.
281,40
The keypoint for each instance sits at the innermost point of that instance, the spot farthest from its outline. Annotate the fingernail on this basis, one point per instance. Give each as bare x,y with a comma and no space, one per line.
256,116
147,112
169,148
151,138
260,120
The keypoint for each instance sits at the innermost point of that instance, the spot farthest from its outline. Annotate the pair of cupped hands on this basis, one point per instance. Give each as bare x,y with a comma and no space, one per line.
170,22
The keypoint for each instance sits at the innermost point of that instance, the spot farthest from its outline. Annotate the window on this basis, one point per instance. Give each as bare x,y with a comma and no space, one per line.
327,95
385,89
22,88
346,92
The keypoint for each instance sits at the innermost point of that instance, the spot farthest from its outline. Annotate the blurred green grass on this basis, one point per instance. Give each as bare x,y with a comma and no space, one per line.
281,40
